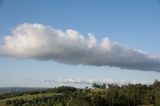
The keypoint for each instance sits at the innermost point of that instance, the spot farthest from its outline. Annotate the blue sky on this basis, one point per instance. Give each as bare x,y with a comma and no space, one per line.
132,23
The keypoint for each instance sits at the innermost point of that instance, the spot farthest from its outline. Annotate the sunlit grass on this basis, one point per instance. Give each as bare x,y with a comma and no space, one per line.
28,97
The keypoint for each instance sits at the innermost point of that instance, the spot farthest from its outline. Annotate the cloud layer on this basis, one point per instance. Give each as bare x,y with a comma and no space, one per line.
90,81
37,41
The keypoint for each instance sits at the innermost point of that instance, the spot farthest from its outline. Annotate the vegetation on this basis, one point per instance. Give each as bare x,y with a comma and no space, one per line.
99,95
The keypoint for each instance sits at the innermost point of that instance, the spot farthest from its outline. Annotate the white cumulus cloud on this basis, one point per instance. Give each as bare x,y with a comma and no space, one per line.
37,41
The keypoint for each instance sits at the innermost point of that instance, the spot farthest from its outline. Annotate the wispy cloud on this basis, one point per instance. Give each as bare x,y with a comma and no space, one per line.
37,41
90,81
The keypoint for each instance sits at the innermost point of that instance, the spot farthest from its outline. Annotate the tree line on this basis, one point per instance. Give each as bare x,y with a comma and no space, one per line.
113,95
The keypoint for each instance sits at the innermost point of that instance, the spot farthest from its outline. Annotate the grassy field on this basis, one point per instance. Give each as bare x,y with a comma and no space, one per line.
28,97
98,90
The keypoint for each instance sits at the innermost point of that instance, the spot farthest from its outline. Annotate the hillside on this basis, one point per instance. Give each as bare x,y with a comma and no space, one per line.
99,95
26,97
18,89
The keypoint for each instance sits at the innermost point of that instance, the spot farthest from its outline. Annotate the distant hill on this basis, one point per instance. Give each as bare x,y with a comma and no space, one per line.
18,89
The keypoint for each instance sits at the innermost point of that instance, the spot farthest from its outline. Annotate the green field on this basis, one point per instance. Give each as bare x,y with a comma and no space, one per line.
98,90
28,97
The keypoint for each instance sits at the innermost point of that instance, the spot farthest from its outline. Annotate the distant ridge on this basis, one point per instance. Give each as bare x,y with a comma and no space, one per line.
18,89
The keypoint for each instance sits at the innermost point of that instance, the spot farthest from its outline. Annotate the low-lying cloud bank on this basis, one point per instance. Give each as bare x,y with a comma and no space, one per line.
36,41
90,81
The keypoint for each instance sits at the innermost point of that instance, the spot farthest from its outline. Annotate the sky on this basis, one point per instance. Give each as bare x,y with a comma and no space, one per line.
47,43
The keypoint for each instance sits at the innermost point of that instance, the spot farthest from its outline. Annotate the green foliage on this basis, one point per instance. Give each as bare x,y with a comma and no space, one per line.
62,89
114,95
102,86
8,102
